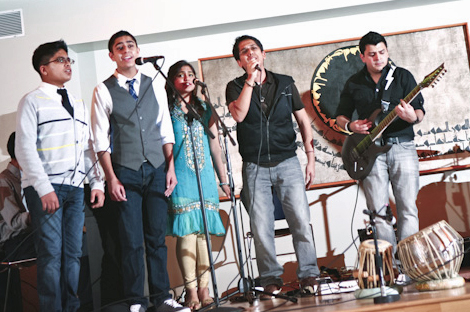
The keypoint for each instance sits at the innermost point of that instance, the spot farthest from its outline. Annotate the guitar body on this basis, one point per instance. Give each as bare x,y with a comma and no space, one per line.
359,165
360,150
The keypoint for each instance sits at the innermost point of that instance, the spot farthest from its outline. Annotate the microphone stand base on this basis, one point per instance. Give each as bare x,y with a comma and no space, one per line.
386,299
372,293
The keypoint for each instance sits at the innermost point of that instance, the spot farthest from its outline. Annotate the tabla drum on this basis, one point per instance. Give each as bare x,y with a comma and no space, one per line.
432,257
367,274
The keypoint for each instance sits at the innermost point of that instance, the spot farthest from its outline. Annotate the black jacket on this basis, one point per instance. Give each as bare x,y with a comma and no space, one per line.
276,133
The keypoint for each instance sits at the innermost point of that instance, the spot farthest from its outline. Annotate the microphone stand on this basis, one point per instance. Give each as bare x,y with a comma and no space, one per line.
192,114
245,285
385,296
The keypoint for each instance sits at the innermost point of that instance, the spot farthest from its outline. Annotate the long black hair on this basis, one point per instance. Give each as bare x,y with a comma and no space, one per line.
170,93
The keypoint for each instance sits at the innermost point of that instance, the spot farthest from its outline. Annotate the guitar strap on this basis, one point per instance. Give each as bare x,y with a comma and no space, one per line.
385,103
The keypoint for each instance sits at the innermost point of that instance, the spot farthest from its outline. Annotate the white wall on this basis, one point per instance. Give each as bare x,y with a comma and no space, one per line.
196,29
190,29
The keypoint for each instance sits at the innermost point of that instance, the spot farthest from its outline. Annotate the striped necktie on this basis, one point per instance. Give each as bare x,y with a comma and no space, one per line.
131,88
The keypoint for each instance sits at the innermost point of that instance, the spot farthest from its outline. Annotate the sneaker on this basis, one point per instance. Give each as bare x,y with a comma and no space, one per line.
171,305
137,308
308,285
403,280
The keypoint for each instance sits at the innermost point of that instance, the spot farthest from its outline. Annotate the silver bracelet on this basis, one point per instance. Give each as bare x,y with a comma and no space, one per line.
346,127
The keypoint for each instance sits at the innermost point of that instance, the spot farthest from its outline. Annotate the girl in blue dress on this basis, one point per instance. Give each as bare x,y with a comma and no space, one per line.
185,218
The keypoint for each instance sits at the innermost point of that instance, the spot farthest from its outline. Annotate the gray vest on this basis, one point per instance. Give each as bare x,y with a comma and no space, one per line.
135,137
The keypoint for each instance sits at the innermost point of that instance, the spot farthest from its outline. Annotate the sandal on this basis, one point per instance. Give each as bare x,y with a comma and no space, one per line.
207,302
193,305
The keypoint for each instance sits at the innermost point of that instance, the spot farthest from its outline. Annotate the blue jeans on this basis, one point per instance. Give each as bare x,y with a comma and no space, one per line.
400,167
59,247
288,181
143,218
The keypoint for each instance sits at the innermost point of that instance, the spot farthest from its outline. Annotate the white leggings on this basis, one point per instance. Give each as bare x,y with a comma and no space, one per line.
193,259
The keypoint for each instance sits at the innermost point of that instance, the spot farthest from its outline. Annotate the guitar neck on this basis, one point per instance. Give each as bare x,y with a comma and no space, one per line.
377,131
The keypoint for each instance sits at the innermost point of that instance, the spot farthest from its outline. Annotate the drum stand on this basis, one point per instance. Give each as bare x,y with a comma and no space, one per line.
387,294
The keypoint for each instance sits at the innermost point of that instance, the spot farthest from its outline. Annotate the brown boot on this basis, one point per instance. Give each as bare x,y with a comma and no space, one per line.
308,286
272,289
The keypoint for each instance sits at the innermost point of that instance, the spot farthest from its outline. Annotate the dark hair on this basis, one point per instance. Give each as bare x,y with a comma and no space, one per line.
11,145
46,51
371,38
236,48
117,35
170,93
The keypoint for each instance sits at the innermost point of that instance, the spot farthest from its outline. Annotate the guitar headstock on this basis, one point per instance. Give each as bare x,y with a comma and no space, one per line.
434,77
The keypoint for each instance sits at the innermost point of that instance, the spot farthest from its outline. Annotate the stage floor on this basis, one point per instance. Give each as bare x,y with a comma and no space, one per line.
411,300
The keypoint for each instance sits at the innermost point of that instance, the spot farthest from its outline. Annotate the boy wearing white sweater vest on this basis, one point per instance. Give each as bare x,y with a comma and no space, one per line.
54,149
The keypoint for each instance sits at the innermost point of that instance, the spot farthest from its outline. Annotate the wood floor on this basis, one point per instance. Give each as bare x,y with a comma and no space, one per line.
411,300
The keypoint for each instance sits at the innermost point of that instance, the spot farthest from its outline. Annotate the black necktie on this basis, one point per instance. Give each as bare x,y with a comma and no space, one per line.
65,101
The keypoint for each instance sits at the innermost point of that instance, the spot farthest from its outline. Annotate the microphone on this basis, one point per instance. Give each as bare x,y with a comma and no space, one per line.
198,82
257,67
390,218
151,59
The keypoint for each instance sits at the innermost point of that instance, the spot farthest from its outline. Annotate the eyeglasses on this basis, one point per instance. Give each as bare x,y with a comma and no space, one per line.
62,60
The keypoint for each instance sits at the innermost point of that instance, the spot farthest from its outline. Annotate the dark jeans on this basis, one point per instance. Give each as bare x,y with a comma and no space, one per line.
143,219
111,286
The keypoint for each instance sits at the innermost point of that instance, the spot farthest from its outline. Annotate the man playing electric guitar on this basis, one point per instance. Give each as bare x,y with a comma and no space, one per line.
380,85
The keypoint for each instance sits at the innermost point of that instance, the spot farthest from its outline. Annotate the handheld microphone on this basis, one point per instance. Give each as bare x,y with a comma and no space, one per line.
198,82
257,67
151,59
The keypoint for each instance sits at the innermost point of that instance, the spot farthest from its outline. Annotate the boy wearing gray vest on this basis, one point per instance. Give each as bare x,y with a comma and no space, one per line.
134,140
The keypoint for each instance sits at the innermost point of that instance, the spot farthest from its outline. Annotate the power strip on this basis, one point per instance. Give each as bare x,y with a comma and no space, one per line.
337,288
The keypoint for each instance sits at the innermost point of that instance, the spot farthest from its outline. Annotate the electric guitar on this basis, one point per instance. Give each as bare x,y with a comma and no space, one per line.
360,150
